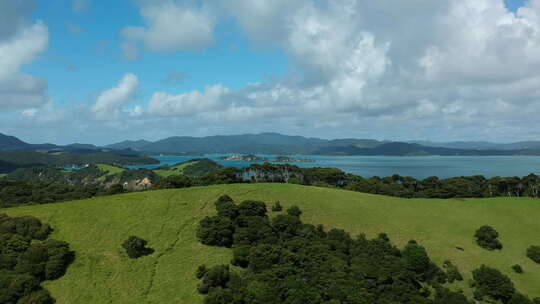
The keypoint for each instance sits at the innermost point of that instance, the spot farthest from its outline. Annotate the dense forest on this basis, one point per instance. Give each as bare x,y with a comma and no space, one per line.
284,260
28,257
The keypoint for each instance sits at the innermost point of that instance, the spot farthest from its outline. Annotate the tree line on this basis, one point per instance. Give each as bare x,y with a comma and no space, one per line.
23,188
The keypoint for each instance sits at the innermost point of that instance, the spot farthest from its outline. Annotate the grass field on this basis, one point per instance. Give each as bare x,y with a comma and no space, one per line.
102,273
173,170
2,175
110,169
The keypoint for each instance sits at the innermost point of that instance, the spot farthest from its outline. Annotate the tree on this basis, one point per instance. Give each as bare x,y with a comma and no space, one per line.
225,207
252,208
492,283
294,211
216,231
517,268
277,207
533,253
486,237
136,247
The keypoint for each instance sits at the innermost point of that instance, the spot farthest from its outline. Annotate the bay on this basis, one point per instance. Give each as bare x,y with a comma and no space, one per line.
418,167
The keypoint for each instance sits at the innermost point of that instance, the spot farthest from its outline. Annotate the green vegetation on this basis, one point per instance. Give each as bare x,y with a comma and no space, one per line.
136,247
17,193
10,161
110,170
487,238
533,253
27,258
168,219
192,168
517,268
288,261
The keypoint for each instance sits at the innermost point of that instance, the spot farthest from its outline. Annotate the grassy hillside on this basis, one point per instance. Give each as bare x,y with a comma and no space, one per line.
102,273
173,170
110,169
192,168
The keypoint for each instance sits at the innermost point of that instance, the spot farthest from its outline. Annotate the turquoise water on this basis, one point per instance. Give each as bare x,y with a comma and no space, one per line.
418,166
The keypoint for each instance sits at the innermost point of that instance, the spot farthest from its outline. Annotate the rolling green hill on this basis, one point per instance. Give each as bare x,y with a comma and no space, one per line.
102,273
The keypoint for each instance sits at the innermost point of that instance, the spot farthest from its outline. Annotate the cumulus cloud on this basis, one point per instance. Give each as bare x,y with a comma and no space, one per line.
170,27
193,102
20,43
108,103
458,63
22,49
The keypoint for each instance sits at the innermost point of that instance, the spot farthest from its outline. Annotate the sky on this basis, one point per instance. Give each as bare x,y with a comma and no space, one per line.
96,71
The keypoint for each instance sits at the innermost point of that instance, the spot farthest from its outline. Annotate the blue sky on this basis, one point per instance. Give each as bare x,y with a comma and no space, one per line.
80,65
130,69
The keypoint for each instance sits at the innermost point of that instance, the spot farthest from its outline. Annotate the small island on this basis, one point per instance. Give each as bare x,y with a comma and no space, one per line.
255,158
248,158
286,159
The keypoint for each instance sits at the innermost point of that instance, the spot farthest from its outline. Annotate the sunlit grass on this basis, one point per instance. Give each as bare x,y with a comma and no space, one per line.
102,273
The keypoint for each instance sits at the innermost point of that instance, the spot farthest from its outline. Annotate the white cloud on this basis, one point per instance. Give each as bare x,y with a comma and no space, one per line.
193,102
108,103
20,43
170,27
22,49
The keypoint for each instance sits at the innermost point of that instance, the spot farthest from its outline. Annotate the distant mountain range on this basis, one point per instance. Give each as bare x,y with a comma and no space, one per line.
274,143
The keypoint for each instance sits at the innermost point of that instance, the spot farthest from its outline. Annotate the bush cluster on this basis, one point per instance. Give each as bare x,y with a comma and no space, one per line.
487,238
533,253
287,261
27,258
136,247
491,285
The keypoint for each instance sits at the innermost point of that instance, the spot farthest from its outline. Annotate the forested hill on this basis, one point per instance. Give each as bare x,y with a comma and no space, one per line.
273,143
407,149
266,143
10,161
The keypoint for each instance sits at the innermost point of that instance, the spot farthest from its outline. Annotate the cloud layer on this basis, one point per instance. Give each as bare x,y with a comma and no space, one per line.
453,69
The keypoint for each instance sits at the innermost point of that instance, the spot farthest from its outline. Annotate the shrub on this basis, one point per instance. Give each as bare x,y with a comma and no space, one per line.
294,211
225,207
533,253
486,237
136,247
217,276
252,208
201,271
216,231
452,272
517,268
492,283
518,298
277,207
